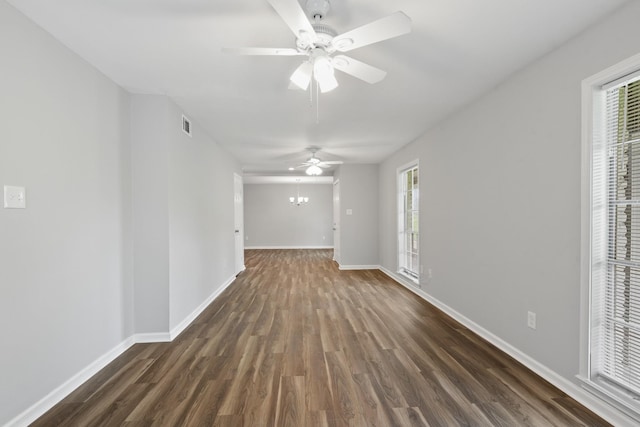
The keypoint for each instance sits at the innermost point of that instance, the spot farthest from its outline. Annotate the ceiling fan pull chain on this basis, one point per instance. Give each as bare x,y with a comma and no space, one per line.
317,103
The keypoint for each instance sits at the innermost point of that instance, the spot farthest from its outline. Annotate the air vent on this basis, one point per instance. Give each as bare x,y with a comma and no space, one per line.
186,125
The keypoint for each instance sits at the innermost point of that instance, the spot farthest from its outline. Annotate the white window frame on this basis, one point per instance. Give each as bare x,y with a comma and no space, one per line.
593,130
412,275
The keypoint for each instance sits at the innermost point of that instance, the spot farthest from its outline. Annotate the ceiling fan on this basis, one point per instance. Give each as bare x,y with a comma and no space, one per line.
314,165
320,43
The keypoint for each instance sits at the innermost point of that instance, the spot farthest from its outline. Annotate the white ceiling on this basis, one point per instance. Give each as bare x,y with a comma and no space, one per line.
457,50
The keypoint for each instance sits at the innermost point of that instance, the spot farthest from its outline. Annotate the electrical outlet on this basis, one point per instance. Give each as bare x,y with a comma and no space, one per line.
429,274
14,197
531,319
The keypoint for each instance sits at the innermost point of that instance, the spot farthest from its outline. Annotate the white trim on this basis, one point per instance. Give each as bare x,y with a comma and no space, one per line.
400,209
38,409
611,396
152,337
400,278
195,313
358,267
288,179
407,166
626,79
288,247
407,276
585,398
592,89
43,405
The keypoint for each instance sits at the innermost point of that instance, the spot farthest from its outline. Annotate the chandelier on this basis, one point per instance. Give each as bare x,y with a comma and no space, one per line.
298,199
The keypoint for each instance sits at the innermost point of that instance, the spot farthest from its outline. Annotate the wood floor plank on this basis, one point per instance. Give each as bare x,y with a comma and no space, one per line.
345,402
297,342
410,417
290,406
319,396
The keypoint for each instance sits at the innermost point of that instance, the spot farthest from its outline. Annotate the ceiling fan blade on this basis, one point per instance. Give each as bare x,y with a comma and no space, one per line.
333,162
390,26
358,69
292,14
301,77
262,51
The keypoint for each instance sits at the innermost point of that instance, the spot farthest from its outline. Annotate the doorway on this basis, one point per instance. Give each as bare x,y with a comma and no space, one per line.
238,203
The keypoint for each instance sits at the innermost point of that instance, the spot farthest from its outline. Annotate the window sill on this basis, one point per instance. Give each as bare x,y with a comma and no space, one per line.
411,278
612,395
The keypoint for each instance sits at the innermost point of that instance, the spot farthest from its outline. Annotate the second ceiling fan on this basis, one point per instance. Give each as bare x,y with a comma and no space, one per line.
320,43
314,166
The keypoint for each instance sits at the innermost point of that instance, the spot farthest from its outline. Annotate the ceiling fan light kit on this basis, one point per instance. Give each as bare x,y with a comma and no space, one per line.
314,170
323,71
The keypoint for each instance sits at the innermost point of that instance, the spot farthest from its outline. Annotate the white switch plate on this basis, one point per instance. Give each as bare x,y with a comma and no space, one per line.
349,211
15,197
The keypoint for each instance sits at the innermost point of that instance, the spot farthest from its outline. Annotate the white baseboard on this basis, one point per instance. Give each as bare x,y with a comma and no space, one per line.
288,247
152,337
43,405
358,267
191,317
49,401
604,410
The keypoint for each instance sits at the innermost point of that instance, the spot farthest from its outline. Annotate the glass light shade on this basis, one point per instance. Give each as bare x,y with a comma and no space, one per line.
328,84
314,170
322,68
292,199
302,76
323,72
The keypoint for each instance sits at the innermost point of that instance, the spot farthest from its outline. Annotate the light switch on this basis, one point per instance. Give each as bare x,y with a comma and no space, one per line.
349,211
15,197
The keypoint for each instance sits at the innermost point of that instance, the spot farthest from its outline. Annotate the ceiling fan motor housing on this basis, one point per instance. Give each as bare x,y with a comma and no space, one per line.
324,36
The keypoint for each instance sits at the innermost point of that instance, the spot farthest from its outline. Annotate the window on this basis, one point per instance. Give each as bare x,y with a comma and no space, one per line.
408,236
613,342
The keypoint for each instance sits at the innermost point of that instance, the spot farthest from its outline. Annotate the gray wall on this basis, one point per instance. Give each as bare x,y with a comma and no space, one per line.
201,217
500,199
183,215
271,221
150,154
358,231
65,261
107,174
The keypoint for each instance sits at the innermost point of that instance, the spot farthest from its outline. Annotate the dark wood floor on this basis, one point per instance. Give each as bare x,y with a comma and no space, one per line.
295,342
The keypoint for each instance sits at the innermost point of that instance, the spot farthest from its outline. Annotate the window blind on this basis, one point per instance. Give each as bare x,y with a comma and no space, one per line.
617,337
